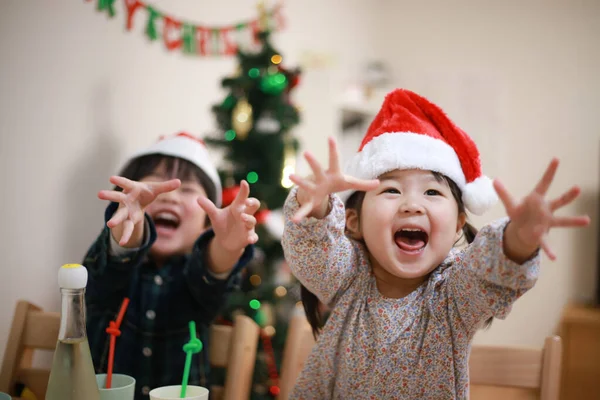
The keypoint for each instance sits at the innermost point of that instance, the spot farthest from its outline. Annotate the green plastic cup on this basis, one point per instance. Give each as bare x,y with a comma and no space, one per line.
122,387
174,393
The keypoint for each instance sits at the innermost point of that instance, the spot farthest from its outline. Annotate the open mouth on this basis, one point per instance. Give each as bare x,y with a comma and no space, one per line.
166,220
411,239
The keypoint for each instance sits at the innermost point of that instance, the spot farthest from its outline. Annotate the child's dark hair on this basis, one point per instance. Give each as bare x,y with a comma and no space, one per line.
143,166
311,302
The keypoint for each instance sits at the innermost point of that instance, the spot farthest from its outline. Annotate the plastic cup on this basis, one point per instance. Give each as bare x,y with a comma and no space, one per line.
122,387
6,396
173,393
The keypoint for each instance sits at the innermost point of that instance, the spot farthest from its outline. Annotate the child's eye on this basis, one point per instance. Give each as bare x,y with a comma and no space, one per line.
187,190
391,190
432,192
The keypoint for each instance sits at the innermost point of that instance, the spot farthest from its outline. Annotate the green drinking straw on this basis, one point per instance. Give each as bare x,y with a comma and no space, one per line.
192,347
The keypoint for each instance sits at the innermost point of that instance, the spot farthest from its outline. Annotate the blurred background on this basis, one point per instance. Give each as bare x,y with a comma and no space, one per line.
79,93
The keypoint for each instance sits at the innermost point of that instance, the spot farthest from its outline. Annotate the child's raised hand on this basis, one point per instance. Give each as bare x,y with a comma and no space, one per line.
533,217
234,224
313,193
133,200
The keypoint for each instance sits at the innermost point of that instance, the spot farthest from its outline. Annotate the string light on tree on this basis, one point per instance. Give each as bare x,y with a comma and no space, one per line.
254,73
255,280
276,59
274,83
252,177
254,304
280,291
269,330
230,135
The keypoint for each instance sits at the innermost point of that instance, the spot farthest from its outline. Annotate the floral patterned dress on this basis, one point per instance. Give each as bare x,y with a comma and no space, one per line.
416,347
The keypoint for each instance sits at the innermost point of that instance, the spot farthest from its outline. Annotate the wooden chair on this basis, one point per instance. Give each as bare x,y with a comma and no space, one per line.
298,345
232,347
516,374
31,329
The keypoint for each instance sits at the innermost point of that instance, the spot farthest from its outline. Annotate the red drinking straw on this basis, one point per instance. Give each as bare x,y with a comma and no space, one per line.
113,331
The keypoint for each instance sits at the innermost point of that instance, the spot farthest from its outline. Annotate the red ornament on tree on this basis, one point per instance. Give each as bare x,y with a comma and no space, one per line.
274,390
229,194
294,82
293,77
262,215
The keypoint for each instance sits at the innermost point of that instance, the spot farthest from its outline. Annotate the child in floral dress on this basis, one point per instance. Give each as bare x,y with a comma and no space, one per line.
405,303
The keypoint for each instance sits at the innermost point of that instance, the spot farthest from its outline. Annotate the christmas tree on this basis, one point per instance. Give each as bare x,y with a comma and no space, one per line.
255,121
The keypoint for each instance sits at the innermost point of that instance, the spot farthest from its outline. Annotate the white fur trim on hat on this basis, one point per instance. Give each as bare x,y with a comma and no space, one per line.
479,195
189,149
408,150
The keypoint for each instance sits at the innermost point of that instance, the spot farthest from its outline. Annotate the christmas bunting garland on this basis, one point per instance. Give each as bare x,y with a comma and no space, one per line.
196,39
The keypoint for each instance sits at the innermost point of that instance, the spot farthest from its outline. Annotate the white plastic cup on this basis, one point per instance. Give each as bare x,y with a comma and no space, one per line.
173,393
122,387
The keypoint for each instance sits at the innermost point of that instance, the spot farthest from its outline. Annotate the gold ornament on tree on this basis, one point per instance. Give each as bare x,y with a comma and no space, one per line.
241,118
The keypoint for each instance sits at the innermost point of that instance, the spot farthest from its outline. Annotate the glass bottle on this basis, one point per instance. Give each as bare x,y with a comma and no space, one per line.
72,376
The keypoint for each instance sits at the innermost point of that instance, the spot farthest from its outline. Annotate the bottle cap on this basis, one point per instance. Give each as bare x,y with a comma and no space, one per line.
72,276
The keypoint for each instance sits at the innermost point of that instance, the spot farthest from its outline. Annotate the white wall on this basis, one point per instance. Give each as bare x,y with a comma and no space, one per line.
78,93
522,79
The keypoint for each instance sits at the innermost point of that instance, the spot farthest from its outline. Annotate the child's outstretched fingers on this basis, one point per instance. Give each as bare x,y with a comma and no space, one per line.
314,192
252,237
361,184
315,166
303,183
544,183
249,221
504,196
123,183
546,249
133,200
128,226
334,158
118,217
567,222
563,200
208,207
166,186
252,206
112,195
239,203
533,217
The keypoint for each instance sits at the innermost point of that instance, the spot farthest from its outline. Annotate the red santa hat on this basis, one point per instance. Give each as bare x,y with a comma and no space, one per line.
190,148
411,132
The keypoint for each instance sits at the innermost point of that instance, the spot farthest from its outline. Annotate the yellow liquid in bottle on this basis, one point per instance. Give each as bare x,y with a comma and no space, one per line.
72,376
